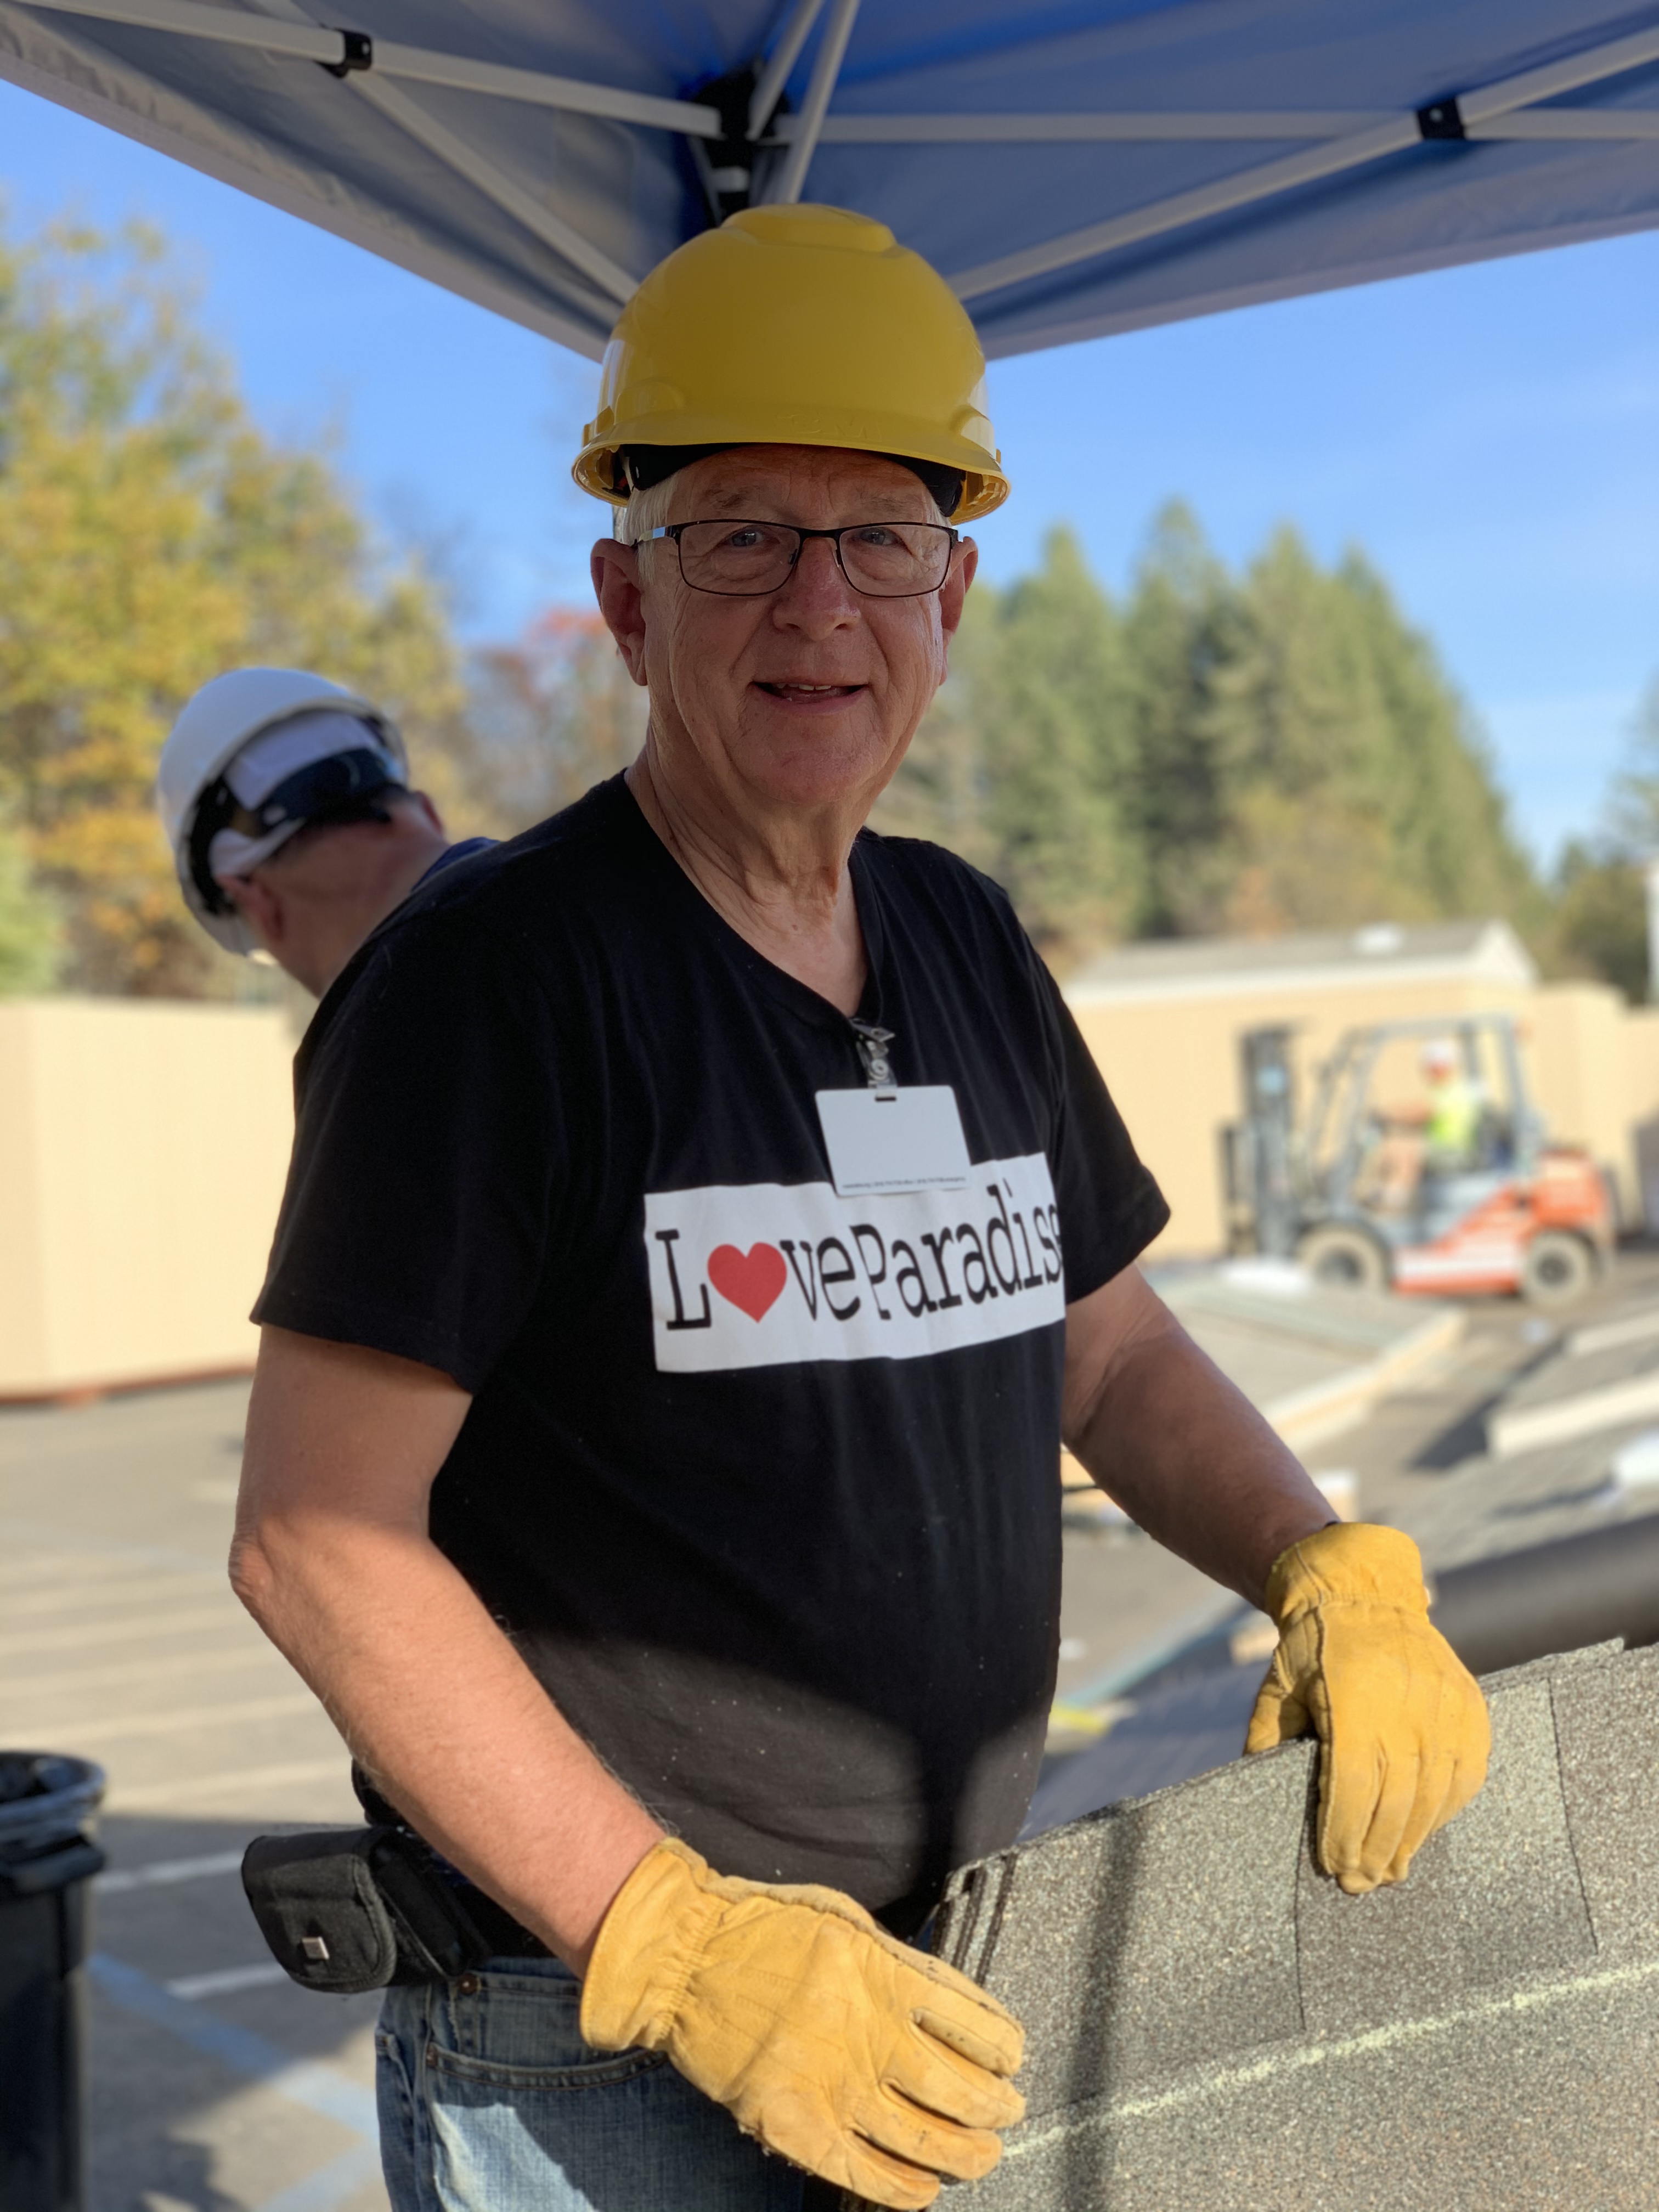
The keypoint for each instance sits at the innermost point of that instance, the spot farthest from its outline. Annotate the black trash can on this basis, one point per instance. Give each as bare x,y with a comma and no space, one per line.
47,1859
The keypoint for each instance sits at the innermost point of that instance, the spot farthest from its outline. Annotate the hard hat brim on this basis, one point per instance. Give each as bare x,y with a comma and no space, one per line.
984,485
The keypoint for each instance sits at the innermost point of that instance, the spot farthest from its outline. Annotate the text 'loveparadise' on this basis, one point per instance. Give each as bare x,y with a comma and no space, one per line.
757,1274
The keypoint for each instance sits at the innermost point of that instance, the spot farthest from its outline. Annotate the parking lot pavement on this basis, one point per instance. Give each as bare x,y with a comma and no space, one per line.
215,2084
1126,1601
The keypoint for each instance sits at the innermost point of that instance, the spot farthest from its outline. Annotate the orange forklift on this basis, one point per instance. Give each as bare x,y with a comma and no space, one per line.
1364,1196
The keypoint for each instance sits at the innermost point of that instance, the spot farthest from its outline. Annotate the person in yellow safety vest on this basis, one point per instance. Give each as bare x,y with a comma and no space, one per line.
286,805
1440,1133
1457,1102
706,1222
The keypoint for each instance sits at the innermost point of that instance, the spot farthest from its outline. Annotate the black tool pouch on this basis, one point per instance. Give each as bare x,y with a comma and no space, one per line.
346,1910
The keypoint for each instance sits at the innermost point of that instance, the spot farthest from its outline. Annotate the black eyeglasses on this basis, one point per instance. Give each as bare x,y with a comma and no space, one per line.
747,559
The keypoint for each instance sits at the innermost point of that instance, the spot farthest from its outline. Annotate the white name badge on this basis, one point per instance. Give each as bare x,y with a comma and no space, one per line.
883,1142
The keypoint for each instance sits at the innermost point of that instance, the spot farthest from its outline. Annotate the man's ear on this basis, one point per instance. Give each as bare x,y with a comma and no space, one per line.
615,568
260,906
427,806
953,592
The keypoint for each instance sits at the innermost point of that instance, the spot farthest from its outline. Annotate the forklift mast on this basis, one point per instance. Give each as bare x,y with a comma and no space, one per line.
1260,1151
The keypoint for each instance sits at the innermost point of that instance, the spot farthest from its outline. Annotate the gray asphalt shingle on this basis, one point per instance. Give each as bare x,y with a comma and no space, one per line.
1212,2025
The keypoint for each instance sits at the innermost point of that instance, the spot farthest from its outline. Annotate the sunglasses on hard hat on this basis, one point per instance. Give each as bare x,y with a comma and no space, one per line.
342,787
745,560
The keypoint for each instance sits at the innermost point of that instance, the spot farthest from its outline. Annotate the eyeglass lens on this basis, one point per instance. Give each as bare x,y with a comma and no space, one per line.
888,560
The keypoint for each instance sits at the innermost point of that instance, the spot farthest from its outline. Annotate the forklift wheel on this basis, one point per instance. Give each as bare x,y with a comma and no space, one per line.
1558,1268
1335,1253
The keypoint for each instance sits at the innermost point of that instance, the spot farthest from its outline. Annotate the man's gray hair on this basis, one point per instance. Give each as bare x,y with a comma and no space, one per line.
646,511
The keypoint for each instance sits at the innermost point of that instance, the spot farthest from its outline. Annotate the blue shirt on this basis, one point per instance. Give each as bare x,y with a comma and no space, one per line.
463,851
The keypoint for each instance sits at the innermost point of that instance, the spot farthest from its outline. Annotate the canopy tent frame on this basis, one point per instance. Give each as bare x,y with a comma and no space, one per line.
745,143
1448,117
1497,111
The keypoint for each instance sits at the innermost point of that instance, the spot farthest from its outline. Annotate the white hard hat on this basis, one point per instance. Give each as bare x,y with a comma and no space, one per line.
224,717
1439,1052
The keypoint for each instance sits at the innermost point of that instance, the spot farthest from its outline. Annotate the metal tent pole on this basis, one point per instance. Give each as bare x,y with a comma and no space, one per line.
769,87
787,187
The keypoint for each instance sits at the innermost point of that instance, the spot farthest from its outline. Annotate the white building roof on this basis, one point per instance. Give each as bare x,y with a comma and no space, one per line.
1381,952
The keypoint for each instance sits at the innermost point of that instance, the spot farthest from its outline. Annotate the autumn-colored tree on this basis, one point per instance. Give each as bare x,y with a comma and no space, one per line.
151,537
550,717
31,928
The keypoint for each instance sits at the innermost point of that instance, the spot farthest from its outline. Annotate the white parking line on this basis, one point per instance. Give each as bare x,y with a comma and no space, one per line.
117,1632
114,1673
36,1566
189,1717
163,1871
226,1982
122,1800
143,1589
318,2089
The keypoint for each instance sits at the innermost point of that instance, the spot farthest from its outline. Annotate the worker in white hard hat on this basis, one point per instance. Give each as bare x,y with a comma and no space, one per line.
286,804
706,1222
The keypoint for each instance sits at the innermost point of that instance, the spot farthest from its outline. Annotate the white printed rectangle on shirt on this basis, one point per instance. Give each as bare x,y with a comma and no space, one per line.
767,1274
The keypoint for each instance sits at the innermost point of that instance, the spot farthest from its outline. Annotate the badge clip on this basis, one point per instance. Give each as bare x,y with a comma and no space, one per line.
872,1043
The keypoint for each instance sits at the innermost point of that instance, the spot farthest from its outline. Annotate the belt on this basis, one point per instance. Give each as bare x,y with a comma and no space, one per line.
506,1937
907,1918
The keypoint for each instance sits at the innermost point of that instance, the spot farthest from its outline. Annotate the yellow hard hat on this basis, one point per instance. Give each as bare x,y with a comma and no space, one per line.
796,327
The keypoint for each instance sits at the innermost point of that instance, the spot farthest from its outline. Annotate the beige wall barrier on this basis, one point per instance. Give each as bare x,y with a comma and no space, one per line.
143,1145
142,1149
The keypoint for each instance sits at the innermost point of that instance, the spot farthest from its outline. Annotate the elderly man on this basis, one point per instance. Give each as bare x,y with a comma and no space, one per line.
286,804
705,1222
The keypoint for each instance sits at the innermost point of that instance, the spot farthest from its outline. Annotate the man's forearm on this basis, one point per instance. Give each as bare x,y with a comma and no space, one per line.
1188,1457
449,1721
332,1559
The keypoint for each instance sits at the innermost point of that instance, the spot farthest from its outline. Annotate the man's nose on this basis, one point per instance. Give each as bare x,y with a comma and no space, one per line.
817,597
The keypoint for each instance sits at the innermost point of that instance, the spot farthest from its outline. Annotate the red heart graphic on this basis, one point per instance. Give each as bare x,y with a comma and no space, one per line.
752,1281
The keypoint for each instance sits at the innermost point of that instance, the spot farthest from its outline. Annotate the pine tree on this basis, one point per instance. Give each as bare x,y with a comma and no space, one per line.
1273,751
1179,628
1600,924
1029,750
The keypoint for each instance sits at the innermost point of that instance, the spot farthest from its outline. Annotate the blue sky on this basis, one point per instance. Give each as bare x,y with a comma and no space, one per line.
1490,436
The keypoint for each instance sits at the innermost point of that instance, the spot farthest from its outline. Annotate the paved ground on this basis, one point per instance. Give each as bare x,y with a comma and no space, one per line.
1124,1597
218,2086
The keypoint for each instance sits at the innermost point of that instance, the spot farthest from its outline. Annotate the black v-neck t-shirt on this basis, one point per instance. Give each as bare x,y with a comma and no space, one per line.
760,1480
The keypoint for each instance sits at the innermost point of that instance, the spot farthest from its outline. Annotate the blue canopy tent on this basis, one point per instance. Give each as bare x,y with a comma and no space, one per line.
1073,168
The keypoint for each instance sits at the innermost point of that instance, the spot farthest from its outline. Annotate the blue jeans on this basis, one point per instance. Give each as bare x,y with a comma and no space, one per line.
490,2101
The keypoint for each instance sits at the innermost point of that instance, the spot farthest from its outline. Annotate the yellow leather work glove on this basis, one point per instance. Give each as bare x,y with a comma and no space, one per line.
1402,1723
867,2063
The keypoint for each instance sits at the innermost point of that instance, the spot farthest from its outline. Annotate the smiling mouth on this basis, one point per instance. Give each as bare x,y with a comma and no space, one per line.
812,691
